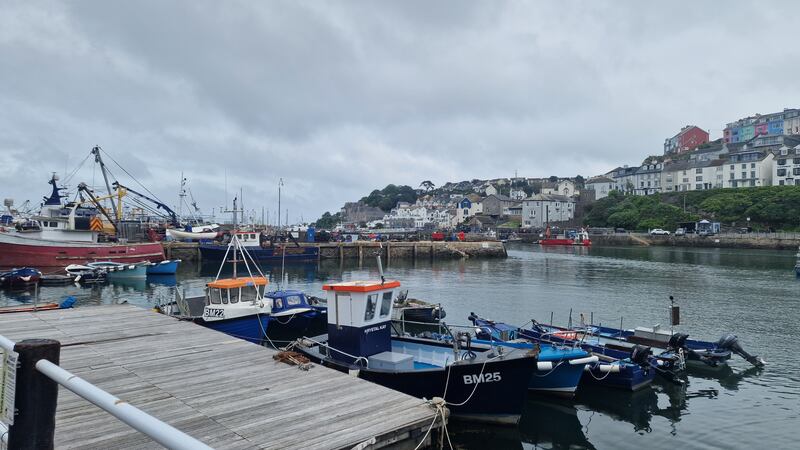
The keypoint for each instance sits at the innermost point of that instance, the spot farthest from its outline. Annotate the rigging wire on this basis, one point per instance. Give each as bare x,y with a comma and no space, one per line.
129,174
69,177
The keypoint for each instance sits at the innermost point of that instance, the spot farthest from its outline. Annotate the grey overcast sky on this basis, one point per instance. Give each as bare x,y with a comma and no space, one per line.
340,98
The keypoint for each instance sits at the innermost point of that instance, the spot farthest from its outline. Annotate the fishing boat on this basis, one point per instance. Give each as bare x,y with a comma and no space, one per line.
66,303
236,306
19,278
166,267
414,310
478,385
580,238
262,249
55,240
118,271
629,368
294,314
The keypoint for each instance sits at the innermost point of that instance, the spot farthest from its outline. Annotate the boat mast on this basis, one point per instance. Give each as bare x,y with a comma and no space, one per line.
99,160
280,183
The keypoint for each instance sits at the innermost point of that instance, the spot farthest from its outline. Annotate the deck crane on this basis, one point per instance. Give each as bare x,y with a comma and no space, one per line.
173,217
83,188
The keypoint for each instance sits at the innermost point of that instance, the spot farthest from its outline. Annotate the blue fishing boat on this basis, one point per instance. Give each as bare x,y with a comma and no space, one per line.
19,278
262,250
293,315
628,369
483,385
166,267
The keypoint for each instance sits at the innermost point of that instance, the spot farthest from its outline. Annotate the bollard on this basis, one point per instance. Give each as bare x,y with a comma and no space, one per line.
36,397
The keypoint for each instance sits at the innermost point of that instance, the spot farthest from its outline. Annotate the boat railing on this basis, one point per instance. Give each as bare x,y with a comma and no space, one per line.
29,416
328,349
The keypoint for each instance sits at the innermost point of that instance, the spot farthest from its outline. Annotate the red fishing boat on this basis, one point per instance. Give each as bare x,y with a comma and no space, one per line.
53,239
580,238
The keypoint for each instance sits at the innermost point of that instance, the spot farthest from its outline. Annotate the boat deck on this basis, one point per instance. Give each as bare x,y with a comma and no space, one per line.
223,391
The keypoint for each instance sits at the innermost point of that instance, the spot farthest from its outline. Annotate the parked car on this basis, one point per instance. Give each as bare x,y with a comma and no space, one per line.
659,232
743,230
704,233
620,230
680,232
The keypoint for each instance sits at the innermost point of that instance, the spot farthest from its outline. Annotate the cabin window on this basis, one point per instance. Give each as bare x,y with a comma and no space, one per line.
293,300
252,236
236,295
249,293
372,303
386,304
279,303
215,296
226,296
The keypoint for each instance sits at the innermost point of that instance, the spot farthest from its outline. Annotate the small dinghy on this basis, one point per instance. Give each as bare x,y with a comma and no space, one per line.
56,280
85,274
19,278
413,310
167,267
67,303
485,386
118,271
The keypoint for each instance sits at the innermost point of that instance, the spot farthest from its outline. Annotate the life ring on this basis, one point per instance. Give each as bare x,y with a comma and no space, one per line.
566,335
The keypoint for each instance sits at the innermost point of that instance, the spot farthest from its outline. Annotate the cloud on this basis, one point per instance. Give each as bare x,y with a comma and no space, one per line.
339,98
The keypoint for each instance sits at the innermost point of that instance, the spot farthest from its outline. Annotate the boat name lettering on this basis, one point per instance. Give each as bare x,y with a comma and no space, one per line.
375,328
482,378
214,312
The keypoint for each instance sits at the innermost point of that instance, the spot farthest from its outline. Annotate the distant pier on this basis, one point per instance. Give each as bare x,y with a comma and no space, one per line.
223,391
423,250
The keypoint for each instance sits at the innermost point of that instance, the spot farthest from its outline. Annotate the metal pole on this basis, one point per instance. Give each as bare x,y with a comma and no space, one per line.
139,420
99,160
35,396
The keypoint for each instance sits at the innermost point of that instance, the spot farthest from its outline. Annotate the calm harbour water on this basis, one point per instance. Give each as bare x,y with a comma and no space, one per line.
752,293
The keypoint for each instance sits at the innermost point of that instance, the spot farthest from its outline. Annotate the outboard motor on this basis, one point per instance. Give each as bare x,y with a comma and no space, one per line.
473,317
641,355
483,333
731,342
678,341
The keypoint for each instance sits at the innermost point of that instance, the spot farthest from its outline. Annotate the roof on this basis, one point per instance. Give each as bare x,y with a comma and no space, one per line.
501,197
550,198
692,164
232,283
600,179
361,286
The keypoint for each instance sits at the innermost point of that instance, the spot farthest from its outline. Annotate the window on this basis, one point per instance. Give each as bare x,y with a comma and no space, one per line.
781,173
752,174
796,161
744,166
215,296
780,183
293,300
700,178
225,294
372,302
781,162
796,171
685,180
236,294
698,186
731,166
386,304
752,182
698,170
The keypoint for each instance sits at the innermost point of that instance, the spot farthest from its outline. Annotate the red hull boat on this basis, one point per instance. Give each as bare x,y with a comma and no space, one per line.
16,251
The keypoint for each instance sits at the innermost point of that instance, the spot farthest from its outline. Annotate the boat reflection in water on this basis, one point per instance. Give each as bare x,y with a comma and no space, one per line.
547,423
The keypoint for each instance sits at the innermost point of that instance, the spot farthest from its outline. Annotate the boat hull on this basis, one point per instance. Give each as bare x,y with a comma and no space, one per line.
561,380
249,328
190,235
498,402
309,323
163,268
19,278
20,251
216,253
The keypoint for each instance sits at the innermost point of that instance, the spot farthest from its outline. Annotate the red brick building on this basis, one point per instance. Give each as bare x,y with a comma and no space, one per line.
689,138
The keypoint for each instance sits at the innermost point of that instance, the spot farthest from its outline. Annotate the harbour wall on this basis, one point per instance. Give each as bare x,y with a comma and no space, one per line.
359,250
767,241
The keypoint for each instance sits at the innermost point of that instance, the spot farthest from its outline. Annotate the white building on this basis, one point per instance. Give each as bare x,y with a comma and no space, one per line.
517,194
647,179
467,207
560,187
624,178
693,175
749,167
543,209
601,185
786,170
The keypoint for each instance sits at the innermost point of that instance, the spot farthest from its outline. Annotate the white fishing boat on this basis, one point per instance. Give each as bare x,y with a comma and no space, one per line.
118,271
195,233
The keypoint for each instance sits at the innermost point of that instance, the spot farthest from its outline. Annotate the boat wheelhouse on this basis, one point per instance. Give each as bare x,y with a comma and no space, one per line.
480,385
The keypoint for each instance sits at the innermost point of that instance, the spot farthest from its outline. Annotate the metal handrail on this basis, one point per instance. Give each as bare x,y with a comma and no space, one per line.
159,431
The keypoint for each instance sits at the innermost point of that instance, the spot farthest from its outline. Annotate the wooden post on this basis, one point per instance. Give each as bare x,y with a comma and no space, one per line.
360,254
36,397
341,251
388,253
